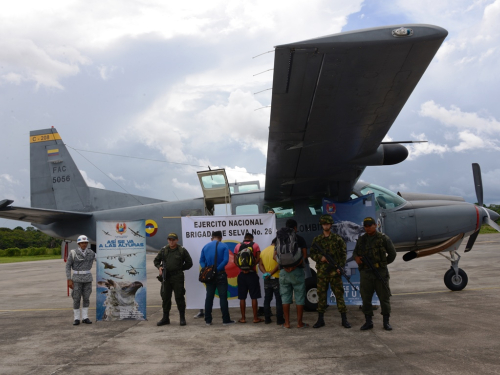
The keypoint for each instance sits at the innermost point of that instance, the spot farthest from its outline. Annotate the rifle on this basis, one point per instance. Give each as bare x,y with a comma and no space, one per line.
366,260
333,264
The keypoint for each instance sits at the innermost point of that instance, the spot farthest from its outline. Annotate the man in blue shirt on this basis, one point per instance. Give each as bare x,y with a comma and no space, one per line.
207,258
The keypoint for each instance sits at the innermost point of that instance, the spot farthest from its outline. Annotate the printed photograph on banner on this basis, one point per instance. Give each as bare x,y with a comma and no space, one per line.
197,232
348,224
121,270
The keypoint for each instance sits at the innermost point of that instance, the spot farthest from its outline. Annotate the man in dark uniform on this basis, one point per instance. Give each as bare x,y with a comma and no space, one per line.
379,249
175,260
334,245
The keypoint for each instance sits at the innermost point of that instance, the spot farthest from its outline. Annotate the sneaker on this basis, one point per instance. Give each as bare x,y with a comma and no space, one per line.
208,324
228,323
199,315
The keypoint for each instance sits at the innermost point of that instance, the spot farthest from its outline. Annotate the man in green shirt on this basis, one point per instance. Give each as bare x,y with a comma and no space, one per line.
379,249
175,260
335,246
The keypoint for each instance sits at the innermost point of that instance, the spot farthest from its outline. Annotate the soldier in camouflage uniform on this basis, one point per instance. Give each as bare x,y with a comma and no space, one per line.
379,248
336,247
175,259
80,261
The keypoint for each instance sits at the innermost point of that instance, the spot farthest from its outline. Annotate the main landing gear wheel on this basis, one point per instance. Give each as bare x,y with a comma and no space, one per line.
455,282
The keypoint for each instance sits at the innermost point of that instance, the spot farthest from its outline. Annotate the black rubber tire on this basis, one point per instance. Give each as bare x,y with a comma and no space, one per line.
452,282
311,294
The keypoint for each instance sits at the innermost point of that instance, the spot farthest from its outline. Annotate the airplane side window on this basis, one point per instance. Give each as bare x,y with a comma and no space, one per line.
384,199
247,209
316,207
282,210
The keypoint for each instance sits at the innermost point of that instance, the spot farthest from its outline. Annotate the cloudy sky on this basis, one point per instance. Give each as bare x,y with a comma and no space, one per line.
175,82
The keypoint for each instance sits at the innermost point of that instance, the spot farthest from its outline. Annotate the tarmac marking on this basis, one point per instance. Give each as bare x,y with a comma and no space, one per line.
443,291
60,309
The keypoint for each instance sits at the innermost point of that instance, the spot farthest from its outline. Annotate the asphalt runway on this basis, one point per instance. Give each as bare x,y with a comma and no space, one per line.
435,331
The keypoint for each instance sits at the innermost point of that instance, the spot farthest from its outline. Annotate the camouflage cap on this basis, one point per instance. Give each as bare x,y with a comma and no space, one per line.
326,219
367,221
173,236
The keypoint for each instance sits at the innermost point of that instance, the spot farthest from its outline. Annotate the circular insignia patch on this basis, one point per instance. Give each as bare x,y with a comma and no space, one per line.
151,228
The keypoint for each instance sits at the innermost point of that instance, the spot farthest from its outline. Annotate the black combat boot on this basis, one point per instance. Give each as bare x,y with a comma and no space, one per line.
368,323
164,320
345,323
183,318
76,322
321,322
387,326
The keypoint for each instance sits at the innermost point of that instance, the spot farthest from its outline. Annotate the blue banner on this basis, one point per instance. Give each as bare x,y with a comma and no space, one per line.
121,270
348,218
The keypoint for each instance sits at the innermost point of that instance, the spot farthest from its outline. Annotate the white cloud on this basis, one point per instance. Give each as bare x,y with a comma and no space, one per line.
416,150
116,178
22,59
422,183
185,187
399,187
471,141
91,182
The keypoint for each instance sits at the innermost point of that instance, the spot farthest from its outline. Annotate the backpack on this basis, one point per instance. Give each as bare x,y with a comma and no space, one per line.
288,253
244,258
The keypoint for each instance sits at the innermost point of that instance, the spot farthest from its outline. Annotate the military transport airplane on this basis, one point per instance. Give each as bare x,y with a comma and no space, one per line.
334,98
121,257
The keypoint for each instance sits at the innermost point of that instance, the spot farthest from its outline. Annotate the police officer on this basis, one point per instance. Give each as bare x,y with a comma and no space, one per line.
379,249
336,247
174,259
80,260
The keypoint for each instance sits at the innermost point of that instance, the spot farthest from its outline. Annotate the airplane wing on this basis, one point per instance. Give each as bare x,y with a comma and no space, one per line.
38,215
334,99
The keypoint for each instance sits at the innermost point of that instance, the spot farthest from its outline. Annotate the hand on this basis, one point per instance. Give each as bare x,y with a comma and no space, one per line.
161,270
323,259
358,260
70,284
338,271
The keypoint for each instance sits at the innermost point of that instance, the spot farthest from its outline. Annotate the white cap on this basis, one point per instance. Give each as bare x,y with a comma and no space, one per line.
82,238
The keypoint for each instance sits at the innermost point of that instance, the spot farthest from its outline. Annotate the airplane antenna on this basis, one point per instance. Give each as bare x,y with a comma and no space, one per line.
175,195
107,176
266,106
262,72
262,54
258,92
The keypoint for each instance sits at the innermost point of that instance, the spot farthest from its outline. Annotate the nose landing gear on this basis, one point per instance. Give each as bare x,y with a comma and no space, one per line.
455,278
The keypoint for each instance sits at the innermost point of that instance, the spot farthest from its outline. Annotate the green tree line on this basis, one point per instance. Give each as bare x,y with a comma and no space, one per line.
23,239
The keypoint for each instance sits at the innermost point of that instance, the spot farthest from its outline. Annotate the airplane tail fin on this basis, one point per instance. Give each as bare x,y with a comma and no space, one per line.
56,182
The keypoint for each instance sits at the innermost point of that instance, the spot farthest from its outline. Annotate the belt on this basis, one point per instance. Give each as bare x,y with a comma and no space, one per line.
80,272
274,278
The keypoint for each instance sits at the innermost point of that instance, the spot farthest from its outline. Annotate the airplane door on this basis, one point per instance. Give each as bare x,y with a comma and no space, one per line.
215,188
401,227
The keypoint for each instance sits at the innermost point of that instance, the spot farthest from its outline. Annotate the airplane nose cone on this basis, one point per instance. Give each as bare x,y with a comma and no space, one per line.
493,215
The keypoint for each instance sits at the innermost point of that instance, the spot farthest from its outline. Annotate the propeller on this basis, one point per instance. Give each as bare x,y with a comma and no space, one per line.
478,184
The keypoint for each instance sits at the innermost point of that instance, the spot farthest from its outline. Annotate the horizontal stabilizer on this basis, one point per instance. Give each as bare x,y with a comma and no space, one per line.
40,215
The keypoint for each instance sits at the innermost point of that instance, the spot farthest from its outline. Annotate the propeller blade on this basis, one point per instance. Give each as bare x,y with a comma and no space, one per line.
471,241
491,223
478,183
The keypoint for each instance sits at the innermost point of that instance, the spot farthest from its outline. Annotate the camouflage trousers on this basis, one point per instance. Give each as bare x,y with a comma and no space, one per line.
173,284
337,289
369,284
81,291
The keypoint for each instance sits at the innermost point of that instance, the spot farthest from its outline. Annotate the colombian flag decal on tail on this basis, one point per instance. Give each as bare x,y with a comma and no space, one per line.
53,152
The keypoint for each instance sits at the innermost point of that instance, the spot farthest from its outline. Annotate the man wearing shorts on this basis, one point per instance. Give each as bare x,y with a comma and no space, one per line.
248,281
292,280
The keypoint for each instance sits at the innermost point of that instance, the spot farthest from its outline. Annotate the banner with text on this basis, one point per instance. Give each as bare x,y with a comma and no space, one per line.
348,218
121,270
197,232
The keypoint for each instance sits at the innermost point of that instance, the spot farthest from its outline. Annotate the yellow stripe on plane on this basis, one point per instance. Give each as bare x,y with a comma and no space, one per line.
44,137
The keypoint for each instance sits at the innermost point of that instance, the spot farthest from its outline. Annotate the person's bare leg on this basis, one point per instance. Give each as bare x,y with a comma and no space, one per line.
243,306
255,308
286,312
300,313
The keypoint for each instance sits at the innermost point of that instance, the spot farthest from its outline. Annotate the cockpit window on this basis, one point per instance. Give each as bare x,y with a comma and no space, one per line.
384,199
